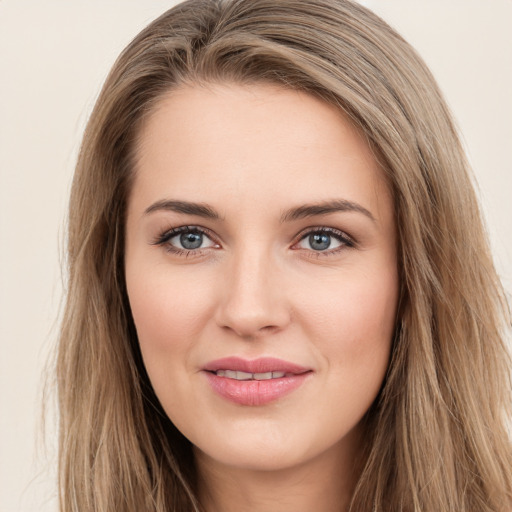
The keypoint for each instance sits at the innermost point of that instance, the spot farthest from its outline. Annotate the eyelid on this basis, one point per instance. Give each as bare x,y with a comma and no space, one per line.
346,240
166,235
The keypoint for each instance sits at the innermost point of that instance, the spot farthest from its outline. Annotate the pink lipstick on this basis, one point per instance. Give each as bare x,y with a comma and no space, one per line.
254,382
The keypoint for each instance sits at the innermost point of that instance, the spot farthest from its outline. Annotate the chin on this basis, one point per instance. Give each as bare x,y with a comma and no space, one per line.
257,456
263,447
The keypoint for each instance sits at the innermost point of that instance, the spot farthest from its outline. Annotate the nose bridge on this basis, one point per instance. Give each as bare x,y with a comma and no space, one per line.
253,300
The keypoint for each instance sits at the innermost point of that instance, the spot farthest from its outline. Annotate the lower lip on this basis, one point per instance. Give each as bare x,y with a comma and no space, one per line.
255,392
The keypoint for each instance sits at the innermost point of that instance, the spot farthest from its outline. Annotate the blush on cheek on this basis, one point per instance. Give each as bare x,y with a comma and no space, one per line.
354,321
166,308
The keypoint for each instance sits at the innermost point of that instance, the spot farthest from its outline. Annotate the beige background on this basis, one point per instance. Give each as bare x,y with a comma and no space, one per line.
54,55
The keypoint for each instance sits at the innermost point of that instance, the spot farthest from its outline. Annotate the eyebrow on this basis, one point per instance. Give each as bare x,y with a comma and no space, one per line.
300,212
325,208
186,207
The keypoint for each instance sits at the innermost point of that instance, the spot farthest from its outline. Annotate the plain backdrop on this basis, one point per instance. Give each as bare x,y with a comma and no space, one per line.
54,56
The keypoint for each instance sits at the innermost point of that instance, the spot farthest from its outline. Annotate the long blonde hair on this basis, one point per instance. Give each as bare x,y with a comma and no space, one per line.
436,436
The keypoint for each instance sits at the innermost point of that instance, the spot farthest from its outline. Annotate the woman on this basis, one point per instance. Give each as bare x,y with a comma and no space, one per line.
281,295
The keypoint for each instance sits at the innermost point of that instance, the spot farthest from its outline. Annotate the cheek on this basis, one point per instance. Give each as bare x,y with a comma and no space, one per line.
169,313
353,305
352,322
166,303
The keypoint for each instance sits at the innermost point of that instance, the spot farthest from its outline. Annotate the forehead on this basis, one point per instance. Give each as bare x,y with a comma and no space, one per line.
250,142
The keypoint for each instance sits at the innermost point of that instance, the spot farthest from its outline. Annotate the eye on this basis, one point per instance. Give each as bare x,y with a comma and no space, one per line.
185,239
324,240
190,241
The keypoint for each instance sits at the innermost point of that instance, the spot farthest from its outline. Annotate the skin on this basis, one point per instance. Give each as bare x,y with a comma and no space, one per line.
257,287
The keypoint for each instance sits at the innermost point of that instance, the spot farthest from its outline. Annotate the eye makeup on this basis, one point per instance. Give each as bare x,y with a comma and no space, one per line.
192,240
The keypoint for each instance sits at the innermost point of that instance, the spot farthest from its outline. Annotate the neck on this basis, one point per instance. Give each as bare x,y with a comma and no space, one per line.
324,483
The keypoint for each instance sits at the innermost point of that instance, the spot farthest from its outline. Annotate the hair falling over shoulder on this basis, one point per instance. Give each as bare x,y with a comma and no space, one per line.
437,437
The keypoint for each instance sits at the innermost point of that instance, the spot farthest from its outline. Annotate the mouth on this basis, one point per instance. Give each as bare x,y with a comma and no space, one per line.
258,369
254,382
233,374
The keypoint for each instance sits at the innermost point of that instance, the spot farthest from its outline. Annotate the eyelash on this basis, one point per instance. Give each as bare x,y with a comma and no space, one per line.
346,241
164,238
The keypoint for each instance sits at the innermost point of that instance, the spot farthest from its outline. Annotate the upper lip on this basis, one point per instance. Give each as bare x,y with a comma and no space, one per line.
260,365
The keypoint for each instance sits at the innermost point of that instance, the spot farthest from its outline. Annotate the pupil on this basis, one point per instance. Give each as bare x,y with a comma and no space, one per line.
320,241
191,240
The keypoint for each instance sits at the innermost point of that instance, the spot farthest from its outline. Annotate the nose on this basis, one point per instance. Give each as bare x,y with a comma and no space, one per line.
254,298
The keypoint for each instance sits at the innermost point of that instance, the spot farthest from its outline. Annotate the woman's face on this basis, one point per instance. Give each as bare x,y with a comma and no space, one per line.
261,271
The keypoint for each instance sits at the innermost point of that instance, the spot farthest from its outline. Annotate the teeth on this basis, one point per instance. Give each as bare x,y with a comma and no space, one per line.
263,376
232,374
243,376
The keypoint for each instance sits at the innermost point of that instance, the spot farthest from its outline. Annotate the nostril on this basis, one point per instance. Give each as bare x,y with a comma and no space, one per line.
250,306
252,334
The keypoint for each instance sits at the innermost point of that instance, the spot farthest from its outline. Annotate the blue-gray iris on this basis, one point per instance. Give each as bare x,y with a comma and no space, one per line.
191,240
319,241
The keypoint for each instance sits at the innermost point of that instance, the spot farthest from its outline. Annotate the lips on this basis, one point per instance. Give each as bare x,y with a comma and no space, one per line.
261,365
254,382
